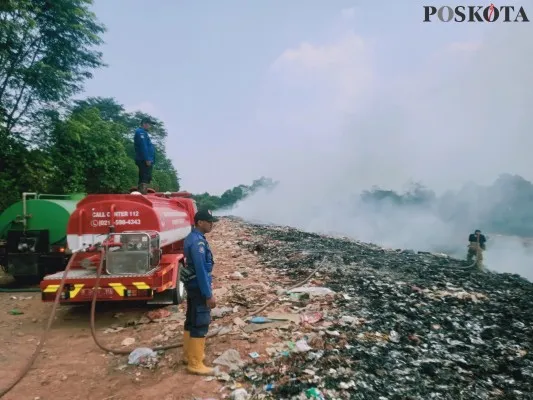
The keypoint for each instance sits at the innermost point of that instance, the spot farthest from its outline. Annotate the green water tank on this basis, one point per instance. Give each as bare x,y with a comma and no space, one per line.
43,212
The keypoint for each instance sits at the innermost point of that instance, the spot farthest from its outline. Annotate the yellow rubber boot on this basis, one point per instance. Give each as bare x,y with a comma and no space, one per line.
196,357
186,338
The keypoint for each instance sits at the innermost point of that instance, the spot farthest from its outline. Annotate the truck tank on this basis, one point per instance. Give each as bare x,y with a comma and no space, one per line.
95,214
137,239
33,231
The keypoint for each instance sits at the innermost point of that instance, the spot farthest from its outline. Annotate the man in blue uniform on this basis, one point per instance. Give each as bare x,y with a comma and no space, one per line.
200,300
144,154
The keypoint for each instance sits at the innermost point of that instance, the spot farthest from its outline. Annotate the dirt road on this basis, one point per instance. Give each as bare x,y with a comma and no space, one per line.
72,367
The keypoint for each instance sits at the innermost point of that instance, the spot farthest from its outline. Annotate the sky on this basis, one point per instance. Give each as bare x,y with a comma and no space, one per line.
329,98
246,88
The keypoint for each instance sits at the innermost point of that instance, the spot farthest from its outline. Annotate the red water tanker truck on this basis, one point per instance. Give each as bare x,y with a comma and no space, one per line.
134,240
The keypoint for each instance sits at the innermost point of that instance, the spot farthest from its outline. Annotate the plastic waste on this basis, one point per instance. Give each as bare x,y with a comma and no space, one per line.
302,346
239,394
260,320
314,393
140,354
313,290
311,318
230,358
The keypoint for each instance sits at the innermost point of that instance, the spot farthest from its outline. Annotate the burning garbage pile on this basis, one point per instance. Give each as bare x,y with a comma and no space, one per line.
390,324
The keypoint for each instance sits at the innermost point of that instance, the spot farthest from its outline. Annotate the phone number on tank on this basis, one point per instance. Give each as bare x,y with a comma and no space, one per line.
118,222
128,222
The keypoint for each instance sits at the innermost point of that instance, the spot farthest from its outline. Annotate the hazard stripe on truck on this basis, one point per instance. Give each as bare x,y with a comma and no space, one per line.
141,285
119,288
72,293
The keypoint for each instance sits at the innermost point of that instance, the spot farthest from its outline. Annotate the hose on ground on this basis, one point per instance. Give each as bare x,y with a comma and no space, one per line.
179,344
32,359
40,345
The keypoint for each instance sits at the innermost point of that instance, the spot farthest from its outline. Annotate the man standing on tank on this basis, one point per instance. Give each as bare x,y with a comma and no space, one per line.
200,300
144,154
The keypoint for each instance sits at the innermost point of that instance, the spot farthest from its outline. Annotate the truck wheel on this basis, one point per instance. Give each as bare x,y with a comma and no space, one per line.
178,293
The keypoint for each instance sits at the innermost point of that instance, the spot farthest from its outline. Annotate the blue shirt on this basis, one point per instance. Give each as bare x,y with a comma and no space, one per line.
200,259
144,149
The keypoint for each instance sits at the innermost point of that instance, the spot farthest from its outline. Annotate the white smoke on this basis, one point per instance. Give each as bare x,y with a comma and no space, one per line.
452,112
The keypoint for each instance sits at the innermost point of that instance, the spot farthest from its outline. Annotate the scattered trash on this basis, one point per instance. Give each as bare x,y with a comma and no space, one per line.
224,330
314,393
21,297
275,349
155,315
15,312
375,324
313,291
219,312
311,318
302,346
271,325
223,376
347,385
394,337
239,394
285,317
260,320
114,330
128,341
236,276
269,387
231,359
143,356
394,324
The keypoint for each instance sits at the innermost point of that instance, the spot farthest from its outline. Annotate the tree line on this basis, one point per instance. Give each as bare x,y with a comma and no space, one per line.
505,207
52,143
232,196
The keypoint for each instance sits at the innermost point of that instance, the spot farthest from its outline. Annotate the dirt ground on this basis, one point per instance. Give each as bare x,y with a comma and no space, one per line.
72,367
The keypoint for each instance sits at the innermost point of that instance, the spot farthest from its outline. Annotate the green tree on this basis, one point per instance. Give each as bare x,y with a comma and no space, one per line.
110,110
89,156
46,53
165,176
232,196
206,201
22,170
415,195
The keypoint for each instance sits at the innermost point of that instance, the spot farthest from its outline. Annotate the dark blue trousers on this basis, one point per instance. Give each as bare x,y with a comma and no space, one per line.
198,315
145,172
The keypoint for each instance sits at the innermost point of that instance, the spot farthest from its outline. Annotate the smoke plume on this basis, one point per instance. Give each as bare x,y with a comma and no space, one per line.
453,112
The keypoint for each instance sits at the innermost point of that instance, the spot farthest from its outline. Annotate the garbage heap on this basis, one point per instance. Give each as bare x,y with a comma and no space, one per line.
397,325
